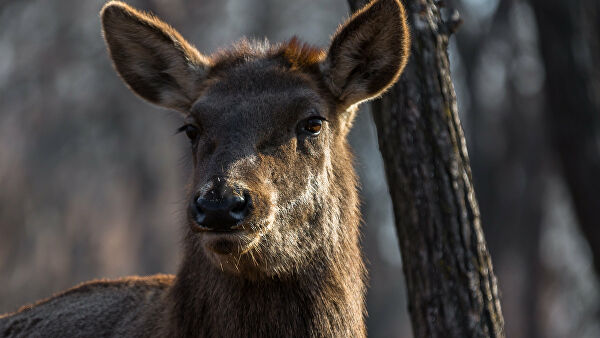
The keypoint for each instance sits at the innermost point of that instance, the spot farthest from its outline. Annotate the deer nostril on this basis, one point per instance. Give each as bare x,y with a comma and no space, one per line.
220,209
239,208
197,210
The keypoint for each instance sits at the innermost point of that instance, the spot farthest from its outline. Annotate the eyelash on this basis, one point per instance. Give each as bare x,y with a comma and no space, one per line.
311,122
191,131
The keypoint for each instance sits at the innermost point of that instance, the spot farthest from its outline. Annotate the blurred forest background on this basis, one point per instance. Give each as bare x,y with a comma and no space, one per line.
91,177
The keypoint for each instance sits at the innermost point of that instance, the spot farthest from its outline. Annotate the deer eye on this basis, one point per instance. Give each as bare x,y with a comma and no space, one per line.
312,125
191,131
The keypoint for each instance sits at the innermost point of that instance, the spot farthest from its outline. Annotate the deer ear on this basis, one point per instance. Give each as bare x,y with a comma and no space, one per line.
151,57
368,52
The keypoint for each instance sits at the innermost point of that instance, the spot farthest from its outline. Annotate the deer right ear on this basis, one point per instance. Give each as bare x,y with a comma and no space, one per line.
368,52
151,57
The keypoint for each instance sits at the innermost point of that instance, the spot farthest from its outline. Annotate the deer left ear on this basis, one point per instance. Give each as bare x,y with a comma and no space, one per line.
368,52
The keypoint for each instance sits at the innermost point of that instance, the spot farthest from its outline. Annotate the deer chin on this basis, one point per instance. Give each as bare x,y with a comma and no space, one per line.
231,251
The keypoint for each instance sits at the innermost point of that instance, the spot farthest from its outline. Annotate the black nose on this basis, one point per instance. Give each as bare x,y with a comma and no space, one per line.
221,208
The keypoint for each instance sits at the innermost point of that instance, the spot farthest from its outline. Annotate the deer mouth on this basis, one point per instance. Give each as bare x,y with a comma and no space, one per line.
200,228
232,242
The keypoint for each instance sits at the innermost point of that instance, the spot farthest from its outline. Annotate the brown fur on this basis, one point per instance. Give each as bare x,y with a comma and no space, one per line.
294,266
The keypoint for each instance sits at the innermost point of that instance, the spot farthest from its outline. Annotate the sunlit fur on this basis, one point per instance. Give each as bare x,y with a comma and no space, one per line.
294,268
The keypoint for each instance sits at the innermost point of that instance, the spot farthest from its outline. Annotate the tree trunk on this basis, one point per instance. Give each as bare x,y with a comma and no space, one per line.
571,49
452,289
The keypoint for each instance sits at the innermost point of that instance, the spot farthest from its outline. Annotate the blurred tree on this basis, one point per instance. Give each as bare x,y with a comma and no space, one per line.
501,67
452,289
569,38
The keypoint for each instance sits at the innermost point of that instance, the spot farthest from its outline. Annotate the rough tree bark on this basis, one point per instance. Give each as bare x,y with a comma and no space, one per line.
452,289
570,46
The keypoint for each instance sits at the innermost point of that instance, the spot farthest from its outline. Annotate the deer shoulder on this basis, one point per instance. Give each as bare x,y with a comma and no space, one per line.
98,308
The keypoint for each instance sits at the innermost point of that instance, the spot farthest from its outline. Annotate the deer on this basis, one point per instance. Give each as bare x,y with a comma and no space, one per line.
271,234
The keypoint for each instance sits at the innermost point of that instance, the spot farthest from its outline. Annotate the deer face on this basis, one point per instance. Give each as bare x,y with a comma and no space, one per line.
267,127
261,139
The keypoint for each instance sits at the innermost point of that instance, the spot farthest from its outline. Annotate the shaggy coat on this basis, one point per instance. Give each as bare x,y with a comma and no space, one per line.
267,124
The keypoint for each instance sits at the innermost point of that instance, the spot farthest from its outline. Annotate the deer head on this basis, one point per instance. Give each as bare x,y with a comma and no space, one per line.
272,190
